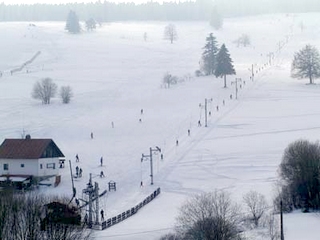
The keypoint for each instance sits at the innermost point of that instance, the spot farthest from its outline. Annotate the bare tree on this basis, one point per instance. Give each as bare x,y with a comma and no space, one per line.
91,24
44,90
243,40
209,216
256,204
22,217
273,227
66,94
171,236
170,32
169,80
306,64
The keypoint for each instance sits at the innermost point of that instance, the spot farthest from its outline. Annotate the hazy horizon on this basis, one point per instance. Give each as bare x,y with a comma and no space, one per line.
12,2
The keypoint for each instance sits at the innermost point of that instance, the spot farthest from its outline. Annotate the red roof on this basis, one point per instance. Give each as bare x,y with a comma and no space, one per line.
29,149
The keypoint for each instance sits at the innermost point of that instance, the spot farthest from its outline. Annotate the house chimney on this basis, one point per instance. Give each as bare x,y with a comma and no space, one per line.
28,136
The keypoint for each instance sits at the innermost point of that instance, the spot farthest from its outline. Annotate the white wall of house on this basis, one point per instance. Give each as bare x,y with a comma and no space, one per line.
35,167
48,166
18,166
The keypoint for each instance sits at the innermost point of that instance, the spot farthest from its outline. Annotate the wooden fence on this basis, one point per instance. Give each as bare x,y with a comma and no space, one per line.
130,212
25,64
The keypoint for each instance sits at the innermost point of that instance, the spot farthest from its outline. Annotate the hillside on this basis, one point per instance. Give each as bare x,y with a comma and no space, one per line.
114,74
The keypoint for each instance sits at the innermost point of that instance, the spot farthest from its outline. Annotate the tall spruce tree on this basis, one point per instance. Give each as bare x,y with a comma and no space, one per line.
209,55
224,64
72,24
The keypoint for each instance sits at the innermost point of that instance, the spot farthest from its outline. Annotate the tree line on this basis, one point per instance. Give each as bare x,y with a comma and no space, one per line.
213,215
104,11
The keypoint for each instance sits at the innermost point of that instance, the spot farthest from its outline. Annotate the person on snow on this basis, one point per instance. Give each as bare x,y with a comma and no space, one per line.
77,171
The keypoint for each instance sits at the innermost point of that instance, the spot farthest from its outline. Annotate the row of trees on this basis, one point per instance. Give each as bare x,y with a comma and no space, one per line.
73,24
215,216
46,89
216,61
105,11
170,10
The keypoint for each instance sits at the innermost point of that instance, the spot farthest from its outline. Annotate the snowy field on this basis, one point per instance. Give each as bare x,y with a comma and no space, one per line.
114,74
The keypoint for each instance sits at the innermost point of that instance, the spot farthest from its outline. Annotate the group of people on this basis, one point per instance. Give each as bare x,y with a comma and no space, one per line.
78,171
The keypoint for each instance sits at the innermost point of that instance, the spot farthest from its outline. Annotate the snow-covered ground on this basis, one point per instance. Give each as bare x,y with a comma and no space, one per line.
114,74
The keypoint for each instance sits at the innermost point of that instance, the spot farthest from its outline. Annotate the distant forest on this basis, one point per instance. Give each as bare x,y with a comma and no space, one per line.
104,11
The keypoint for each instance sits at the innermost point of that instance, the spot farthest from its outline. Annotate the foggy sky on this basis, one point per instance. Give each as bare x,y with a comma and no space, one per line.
7,2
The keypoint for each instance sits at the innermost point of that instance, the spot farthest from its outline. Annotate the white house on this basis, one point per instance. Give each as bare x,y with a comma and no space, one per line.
35,159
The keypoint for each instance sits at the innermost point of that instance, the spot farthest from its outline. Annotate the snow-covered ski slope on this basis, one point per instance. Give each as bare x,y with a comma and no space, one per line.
114,74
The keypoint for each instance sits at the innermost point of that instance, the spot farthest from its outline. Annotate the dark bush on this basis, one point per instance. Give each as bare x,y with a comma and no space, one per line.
300,175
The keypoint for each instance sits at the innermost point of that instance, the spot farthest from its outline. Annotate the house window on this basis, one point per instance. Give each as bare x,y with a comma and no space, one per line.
41,166
51,165
22,165
6,166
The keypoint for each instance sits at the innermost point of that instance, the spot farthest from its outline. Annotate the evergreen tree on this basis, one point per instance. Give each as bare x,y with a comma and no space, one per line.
306,64
224,64
209,55
72,24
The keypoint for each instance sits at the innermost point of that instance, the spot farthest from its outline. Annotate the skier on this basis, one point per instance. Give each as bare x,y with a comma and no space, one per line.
199,123
188,132
86,219
77,158
102,215
177,143
141,111
101,161
91,135
80,172
102,174
77,171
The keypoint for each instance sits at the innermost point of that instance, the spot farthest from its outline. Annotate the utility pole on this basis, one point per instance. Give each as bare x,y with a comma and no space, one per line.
149,157
206,110
96,193
252,73
73,188
281,221
90,193
271,56
236,82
